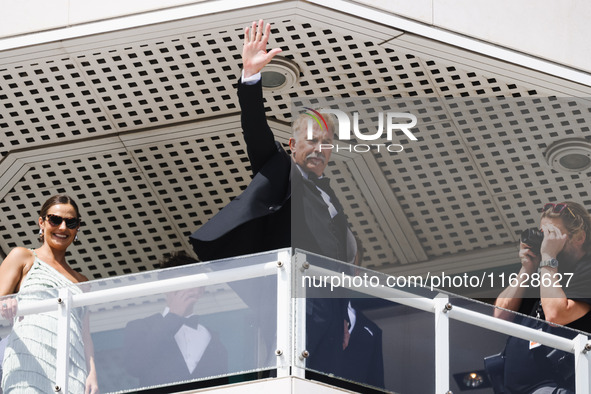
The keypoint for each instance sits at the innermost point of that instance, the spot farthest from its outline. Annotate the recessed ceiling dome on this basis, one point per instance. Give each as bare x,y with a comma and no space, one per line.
281,73
569,155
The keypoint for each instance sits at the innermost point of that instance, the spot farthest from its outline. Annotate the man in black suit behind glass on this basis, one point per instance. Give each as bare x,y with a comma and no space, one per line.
261,217
173,346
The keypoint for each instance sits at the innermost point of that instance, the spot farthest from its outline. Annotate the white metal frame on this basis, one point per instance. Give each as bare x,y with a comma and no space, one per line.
441,307
300,353
64,303
284,350
443,311
291,315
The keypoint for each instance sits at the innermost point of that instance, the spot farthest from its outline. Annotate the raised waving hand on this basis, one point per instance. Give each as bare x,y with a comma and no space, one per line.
254,52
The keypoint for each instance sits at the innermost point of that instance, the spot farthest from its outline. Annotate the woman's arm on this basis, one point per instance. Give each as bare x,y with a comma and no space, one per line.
12,270
91,379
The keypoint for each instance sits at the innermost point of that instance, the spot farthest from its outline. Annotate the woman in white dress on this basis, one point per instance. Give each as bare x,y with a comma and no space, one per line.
30,357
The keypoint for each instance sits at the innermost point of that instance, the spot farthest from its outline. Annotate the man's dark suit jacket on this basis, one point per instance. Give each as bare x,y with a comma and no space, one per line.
363,361
260,218
280,208
152,354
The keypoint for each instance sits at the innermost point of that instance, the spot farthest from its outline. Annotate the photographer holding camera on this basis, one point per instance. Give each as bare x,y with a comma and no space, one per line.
561,255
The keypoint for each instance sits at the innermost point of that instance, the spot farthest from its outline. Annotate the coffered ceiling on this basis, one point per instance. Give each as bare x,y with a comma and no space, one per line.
141,126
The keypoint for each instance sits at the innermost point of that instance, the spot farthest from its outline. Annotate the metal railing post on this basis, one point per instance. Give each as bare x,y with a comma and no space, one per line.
442,306
64,301
284,349
300,353
291,344
582,349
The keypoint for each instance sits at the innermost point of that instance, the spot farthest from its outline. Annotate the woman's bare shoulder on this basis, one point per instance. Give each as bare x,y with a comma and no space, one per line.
20,255
79,277
14,267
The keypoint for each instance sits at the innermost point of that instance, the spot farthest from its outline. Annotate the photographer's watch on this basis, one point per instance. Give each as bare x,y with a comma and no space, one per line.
552,263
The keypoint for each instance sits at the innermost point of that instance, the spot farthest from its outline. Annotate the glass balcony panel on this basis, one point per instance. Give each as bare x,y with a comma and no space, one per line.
216,323
527,364
29,343
389,344
209,324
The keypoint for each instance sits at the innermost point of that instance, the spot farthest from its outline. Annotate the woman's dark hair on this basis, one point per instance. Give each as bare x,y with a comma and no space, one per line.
58,199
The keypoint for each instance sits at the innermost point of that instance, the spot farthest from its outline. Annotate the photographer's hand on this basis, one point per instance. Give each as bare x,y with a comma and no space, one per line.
553,243
529,260
511,297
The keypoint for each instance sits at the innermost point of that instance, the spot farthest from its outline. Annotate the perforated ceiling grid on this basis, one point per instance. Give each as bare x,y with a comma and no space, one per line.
196,178
137,203
478,180
125,228
142,201
47,101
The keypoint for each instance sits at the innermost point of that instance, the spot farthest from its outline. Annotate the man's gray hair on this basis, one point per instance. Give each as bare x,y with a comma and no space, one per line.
300,124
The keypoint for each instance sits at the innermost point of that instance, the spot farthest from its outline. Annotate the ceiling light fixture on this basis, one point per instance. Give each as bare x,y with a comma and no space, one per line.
569,155
281,73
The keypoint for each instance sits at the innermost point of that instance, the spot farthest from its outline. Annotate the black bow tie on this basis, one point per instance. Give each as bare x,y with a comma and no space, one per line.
323,183
192,321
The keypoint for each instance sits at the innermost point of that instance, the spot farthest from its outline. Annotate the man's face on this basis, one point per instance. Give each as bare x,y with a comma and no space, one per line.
311,154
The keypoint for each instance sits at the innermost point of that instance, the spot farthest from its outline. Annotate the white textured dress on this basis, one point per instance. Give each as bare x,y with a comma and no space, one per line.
30,358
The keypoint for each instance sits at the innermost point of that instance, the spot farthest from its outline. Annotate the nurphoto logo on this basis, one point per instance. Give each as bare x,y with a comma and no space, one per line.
387,123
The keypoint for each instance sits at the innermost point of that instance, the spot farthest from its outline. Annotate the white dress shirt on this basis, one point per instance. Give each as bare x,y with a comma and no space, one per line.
192,342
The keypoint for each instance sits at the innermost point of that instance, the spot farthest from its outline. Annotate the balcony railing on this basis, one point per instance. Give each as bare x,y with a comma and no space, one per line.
255,313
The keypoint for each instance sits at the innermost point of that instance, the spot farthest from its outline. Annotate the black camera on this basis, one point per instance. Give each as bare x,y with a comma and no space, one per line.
533,238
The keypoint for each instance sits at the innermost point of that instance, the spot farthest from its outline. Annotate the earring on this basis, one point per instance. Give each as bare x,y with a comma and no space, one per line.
40,232
76,238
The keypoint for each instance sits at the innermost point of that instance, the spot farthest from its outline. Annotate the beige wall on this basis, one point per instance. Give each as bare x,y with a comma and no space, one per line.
26,16
549,29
